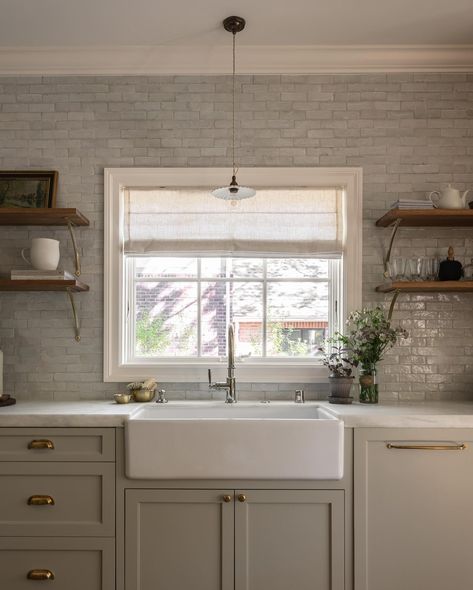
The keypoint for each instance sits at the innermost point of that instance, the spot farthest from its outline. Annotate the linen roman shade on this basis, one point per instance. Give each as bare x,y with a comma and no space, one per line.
276,222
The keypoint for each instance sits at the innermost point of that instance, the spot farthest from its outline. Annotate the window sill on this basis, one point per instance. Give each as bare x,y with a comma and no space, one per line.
245,373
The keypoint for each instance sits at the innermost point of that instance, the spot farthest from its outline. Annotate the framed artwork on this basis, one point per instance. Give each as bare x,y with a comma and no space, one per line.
28,189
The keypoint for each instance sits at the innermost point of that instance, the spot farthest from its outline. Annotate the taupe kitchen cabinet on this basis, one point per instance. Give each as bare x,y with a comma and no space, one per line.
413,495
57,515
234,539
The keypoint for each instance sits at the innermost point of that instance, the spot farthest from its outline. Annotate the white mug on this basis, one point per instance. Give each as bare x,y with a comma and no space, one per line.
44,254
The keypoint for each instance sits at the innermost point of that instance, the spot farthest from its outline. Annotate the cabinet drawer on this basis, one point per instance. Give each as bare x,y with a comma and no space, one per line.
57,499
76,564
57,444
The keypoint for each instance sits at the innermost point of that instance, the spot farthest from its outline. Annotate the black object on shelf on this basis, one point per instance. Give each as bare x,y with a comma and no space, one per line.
450,269
6,400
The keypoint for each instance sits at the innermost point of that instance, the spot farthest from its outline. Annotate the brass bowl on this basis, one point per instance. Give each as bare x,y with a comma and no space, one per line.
122,398
143,395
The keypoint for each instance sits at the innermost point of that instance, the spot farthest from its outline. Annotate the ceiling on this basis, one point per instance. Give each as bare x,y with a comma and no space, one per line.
43,23
55,37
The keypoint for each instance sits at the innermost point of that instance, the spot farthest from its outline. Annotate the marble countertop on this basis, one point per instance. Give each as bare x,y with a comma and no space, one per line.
105,413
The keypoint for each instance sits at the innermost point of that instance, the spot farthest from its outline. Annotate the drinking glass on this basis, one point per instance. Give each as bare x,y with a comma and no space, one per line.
425,268
399,268
434,269
415,268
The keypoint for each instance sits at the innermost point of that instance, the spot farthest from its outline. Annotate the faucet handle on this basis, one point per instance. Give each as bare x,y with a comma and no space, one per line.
162,397
299,396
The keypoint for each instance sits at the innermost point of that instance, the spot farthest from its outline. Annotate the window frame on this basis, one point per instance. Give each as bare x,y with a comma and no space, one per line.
266,370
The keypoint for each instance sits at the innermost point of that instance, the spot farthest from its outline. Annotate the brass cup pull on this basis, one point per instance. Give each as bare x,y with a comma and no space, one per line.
41,501
40,575
451,447
241,498
41,444
227,498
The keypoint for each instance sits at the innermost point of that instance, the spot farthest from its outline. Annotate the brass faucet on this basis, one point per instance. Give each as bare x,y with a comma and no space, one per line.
230,384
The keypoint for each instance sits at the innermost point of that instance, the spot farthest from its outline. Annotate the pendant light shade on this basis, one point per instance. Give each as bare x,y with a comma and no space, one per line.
234,192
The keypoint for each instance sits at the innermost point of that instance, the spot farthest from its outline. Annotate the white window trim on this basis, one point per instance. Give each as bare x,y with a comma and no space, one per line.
293,371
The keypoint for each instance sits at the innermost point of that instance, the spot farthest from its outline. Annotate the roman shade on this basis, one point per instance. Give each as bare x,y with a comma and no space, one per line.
276,222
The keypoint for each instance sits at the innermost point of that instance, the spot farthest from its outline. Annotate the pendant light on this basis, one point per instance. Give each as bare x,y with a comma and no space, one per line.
234,192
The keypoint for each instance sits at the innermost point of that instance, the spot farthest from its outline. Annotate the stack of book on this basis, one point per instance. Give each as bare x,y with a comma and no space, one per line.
412,204
41,275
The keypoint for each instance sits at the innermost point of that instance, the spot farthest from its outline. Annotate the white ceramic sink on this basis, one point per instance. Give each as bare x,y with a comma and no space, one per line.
208,440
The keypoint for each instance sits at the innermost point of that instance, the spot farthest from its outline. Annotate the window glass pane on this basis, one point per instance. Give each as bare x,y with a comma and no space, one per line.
165,267
289,268
240,303
247,268
166,319
213,267
297,318
244,268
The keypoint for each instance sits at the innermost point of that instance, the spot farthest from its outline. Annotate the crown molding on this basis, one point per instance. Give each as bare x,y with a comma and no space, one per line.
257,59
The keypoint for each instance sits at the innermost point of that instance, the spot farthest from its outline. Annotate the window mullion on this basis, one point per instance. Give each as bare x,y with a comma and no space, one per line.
130,318
265,306
199,307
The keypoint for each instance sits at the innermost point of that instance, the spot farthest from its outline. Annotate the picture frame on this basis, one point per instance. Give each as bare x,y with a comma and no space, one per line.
28,189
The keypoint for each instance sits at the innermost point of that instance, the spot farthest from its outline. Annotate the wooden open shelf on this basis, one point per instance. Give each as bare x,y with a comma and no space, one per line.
427,217
72,286
15,216
426,287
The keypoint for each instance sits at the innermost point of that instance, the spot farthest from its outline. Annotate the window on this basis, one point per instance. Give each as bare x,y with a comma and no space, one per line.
181,307
181,265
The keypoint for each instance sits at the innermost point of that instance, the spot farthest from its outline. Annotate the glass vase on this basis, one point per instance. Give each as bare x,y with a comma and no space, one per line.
368,385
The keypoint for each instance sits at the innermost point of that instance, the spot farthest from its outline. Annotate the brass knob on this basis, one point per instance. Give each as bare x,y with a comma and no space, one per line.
41,444
41,501
40,575
227,498
241,498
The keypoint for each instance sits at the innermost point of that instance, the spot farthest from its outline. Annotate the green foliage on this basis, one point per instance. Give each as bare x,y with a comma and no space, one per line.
284,344
151,335
337,356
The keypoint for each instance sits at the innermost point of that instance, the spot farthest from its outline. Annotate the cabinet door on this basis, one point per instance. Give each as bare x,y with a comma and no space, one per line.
289,539
413,517
178,539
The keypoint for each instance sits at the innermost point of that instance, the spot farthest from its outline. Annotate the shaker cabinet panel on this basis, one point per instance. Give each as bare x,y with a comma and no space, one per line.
62,564
179,539
289,539
413,517
57,444
64,499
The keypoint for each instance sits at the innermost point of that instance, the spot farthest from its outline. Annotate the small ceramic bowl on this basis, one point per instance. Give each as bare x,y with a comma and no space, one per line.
122,398
143,395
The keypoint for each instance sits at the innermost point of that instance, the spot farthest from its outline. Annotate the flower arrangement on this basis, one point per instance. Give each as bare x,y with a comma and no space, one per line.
370,335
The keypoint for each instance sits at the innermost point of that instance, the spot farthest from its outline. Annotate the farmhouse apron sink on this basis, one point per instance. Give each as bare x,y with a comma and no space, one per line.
209,440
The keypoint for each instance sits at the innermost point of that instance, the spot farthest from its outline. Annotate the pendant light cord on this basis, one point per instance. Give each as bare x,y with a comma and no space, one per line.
233,104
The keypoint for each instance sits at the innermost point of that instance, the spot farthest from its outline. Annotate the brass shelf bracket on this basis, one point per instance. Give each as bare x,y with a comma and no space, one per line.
387,257
393,303
70,226
75,316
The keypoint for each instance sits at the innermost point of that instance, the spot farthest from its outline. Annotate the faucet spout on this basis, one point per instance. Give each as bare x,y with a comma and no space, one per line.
230,384
231,349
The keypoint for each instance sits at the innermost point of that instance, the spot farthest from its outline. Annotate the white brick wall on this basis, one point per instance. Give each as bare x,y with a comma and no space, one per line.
409,132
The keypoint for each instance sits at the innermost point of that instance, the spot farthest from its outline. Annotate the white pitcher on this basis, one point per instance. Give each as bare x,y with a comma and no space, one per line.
449,198
44,254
